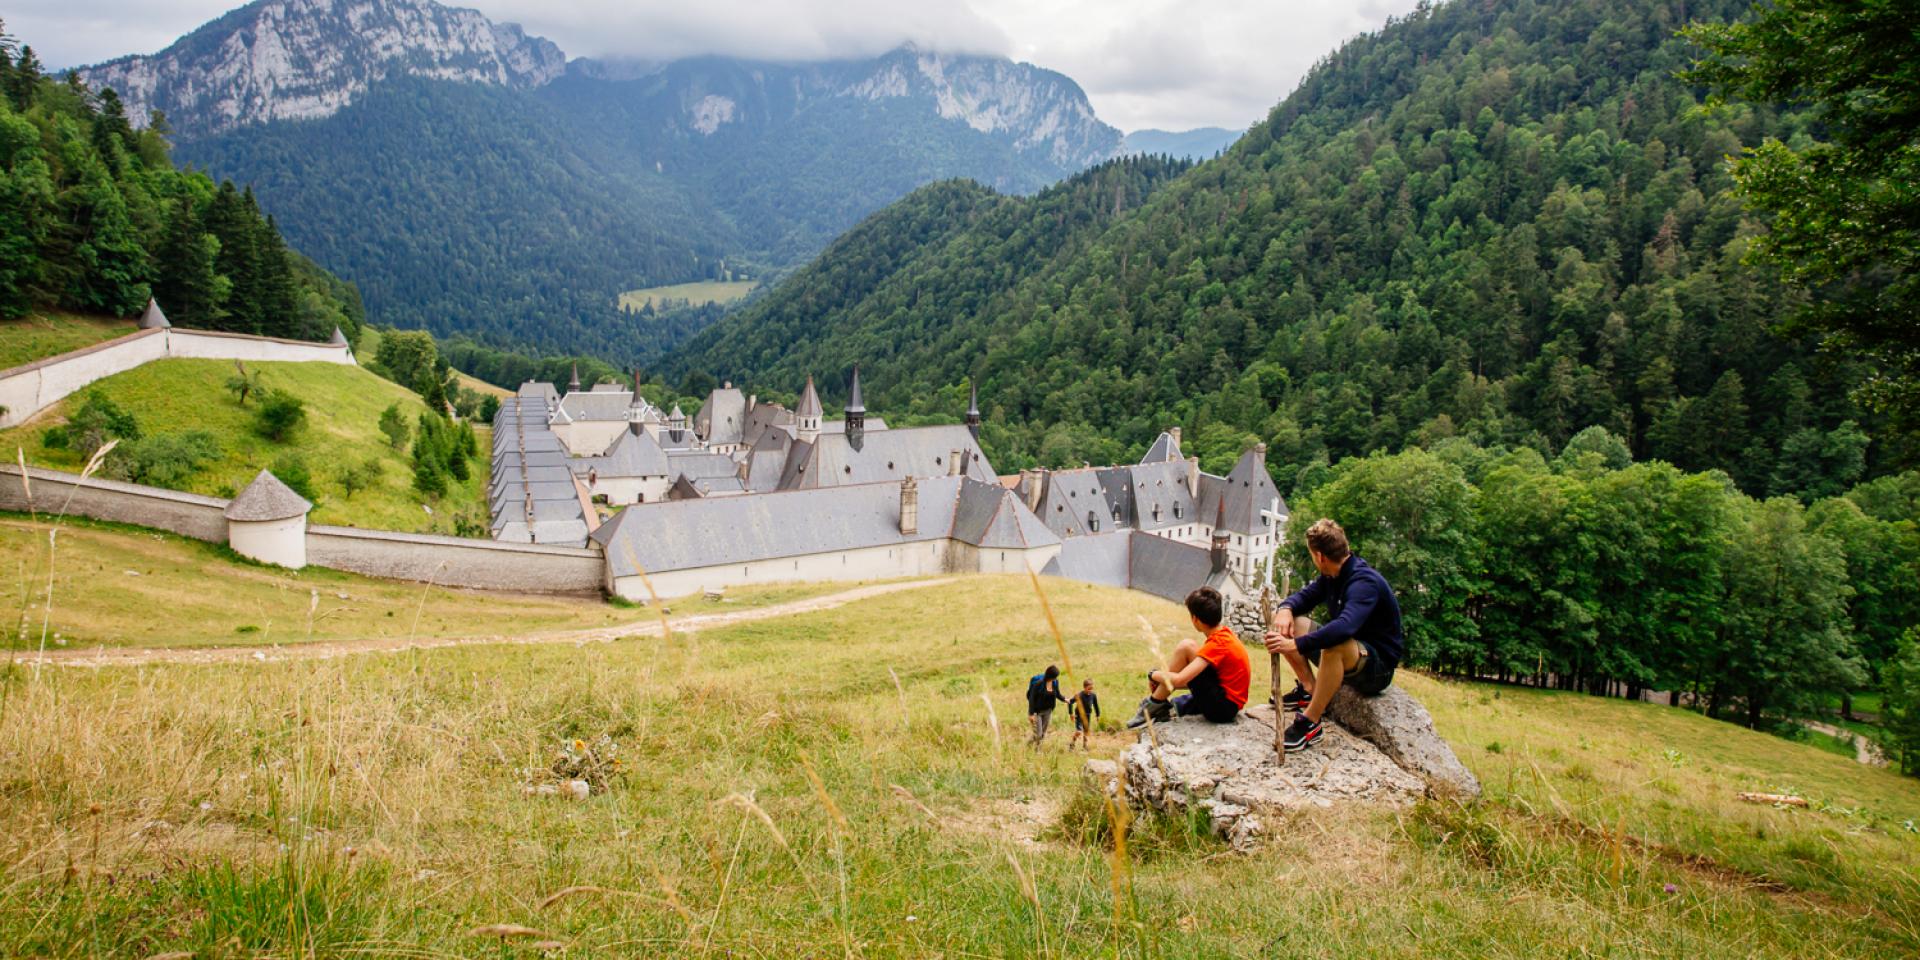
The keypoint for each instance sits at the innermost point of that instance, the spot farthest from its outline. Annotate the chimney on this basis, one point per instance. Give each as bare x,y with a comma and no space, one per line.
953,463
909,507
1193,477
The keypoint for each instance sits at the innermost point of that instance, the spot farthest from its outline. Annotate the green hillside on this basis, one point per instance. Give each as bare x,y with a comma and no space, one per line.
778,795
343,406
1504,221
38,336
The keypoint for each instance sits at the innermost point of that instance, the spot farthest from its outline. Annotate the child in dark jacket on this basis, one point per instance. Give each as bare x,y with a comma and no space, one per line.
1085,707
1043,694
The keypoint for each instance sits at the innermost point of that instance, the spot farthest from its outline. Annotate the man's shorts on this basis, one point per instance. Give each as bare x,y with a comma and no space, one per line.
1373,677
1205,697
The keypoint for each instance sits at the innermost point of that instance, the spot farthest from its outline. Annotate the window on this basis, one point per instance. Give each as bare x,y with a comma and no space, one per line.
1093,522
1176,511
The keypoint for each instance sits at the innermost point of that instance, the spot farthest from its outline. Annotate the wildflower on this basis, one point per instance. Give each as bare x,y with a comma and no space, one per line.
1672,888
579,746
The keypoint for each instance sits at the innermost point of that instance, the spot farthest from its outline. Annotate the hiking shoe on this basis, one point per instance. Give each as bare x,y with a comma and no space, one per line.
1302,734
1159,711
1296,699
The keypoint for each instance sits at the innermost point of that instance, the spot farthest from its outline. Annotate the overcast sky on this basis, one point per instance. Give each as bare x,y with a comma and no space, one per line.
1144,63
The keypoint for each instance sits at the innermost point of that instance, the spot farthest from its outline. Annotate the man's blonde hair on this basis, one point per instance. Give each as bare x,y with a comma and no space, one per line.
1327,539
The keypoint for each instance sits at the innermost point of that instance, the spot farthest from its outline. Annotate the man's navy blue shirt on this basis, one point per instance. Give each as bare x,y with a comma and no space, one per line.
1359,604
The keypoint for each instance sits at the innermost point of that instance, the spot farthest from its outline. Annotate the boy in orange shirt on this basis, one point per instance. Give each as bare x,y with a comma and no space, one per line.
1214,671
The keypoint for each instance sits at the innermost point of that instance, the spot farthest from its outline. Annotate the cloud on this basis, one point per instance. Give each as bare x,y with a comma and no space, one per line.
1143,63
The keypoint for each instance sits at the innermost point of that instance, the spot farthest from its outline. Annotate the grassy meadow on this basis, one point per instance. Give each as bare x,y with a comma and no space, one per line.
42,335
119,586
688,294
853,782
343,407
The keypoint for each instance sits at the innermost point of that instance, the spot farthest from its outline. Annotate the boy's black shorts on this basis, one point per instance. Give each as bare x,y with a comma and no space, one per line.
1205,697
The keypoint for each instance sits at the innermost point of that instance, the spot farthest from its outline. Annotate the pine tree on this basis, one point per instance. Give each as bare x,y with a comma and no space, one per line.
230,222
110,265
23,79
188,287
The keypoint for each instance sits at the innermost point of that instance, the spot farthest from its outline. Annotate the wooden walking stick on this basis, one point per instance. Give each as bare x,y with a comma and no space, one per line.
1279,736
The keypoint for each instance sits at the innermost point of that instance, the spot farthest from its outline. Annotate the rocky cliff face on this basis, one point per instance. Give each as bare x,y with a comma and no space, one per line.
1040,110
303,59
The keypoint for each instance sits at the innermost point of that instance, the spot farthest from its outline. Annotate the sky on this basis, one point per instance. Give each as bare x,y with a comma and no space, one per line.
1143,63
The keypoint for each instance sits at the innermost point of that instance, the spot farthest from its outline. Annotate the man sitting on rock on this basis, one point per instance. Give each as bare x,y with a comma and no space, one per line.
1359,646
1214,671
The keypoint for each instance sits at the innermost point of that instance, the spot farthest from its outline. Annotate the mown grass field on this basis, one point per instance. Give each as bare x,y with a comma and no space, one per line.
780,796
343,407
689,294
119,586
42,335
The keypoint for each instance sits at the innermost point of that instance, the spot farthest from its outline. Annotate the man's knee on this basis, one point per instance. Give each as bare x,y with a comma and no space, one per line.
1338,660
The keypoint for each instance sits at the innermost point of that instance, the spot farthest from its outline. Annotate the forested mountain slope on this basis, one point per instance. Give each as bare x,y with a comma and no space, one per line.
1504,220
94,218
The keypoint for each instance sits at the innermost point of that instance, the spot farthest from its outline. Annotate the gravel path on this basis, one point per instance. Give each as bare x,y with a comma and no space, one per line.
649,626
1865,751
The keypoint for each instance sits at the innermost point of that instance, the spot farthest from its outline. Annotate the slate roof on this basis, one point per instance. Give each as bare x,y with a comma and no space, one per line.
766,460
266,498
1161,485
722,417
1101,558
989,515
632,454
1165,447
856,403
690,488
1168,568
701,466
528,459
886,455
610,403
153,319
1240,497
809,405
764,417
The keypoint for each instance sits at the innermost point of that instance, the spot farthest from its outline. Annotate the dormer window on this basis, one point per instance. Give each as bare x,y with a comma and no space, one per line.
1176,511
1156,513
1093,522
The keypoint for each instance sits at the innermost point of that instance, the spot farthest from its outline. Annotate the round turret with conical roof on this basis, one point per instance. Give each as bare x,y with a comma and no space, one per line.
268,522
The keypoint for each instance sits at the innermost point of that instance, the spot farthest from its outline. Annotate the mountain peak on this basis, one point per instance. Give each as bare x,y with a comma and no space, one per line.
303,59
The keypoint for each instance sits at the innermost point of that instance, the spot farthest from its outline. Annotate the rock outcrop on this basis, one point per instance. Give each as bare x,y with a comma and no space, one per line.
1377,750
1403,729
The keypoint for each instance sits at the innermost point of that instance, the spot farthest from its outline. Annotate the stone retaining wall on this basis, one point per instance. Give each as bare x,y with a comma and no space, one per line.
53,491
457,561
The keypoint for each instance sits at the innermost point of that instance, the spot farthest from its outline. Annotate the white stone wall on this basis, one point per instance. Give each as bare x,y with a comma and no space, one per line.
279,542
626,490
967,558
589,438
868,563
187,514
27,390
458,561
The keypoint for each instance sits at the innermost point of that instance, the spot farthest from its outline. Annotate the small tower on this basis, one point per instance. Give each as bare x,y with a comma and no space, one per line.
573,385
338,339
676,423
268,522
973,409
806,414
856,413
153,319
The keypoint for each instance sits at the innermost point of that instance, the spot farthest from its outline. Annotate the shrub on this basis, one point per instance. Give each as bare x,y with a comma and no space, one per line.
167,459
357,477
393,423
98,420
292,471
279,416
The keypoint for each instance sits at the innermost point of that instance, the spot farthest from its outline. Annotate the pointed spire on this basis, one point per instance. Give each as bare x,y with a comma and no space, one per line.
973,408
809,405
153,319
855,402
573,385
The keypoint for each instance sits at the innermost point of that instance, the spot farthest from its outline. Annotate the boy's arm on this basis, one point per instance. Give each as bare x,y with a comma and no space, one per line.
1095,698
1179,680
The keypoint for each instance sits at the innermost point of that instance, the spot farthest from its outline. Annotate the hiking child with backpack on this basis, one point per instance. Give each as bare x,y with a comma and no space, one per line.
1043,694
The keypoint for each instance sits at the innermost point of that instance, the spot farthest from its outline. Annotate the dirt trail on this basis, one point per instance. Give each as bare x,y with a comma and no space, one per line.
1865,751
650,626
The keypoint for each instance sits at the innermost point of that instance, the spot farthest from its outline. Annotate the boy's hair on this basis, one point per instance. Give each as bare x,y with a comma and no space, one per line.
1327,539
1052,671
1205,604
1086,683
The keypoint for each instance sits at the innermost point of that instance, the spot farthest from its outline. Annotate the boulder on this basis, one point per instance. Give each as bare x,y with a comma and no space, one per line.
1402,729
1229,770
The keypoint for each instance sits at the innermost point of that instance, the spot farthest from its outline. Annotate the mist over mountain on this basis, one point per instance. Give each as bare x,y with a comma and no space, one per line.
1200,143
471,181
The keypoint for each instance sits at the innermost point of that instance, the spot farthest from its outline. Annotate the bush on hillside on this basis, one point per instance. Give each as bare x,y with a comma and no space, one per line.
393,423
97,421
1902,704
354,478
279,416
292,470
166,459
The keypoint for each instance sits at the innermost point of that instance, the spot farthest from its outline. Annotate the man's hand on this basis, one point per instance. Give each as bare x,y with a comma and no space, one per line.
1282,623
1281,643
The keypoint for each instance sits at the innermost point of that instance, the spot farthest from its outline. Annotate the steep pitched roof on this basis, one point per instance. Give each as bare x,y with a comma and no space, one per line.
1165,447
855,402
887,455
1167,568
989,515
722,417
1101,558
153,319
610,403
809,405
632,454
1243,496
266,498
